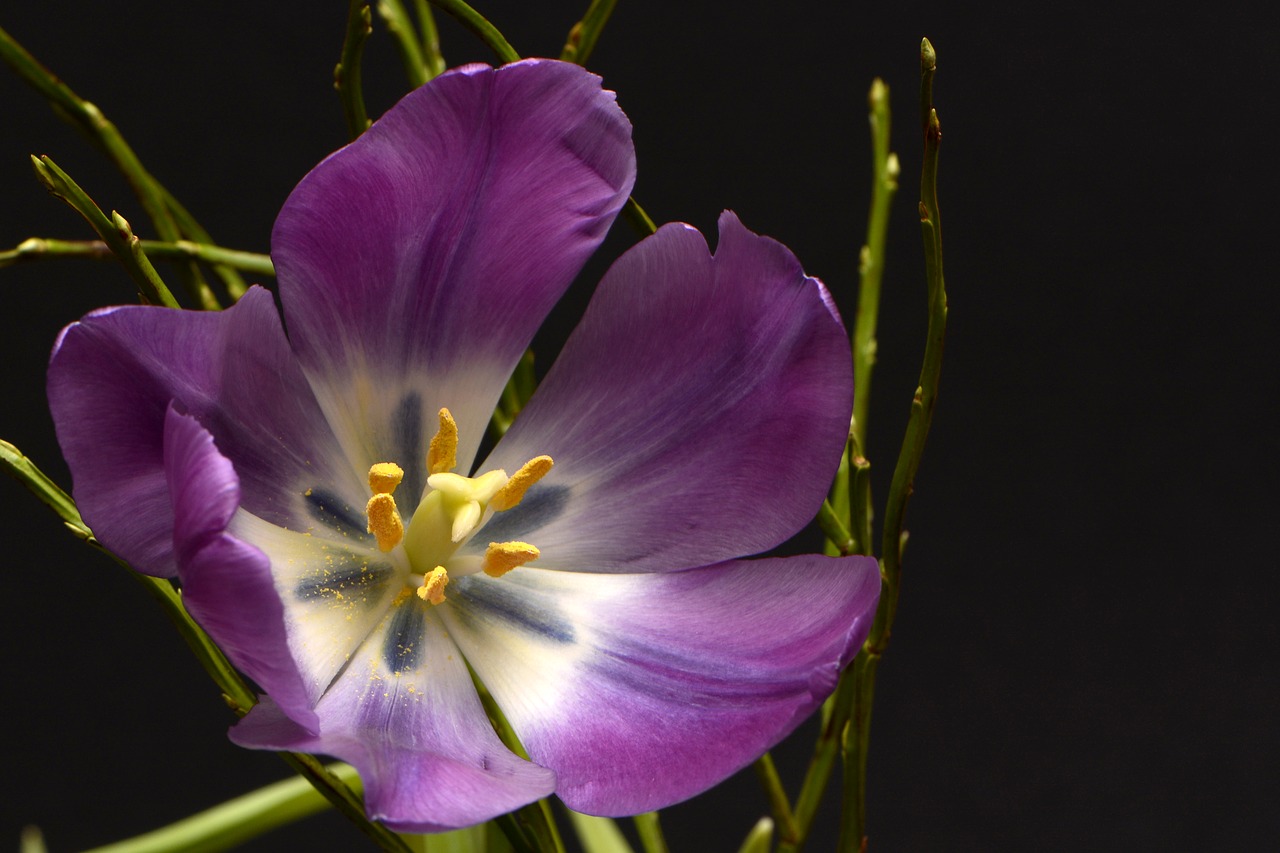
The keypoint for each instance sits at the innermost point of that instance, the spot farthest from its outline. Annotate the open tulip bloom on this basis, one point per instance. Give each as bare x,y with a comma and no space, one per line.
316,495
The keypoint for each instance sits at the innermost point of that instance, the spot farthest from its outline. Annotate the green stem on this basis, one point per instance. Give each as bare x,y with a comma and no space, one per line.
821,763
478,26
102,133
115,232
598,834
760,837
767,772
519,388
639,220
836,531
531,829
49,493
861,512
649,829
853,833
40,248
396,17
235,692
850,496
838,504
431,54
346,75
884,169
235,821
346,801
584,34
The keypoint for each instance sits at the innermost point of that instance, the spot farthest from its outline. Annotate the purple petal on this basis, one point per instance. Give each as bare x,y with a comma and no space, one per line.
406,714
111,379
643,690
697,413
226,583
420,259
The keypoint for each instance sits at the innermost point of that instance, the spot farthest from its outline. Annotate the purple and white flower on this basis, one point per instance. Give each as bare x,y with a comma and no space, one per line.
316,497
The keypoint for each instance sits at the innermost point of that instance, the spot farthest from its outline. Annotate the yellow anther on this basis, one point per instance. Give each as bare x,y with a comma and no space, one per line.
384,477
433,585
513,492
443,453
384,521
502,557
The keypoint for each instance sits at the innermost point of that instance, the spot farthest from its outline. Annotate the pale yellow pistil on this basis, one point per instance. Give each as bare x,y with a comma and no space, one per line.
384,519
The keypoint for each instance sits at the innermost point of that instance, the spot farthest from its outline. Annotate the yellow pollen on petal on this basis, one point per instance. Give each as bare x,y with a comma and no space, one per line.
384,477
384,521
442,455
502,557
513,492
433,585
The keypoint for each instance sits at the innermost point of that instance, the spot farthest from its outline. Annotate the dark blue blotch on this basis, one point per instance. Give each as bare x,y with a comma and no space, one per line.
329,509
542,504
353,575
410,450
405,637
512,604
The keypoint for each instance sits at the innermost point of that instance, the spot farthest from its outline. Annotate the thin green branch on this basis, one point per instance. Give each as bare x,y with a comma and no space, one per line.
598,834
862,513
649,829
396,17
431,54
31,840
346,75
760,837
767,772
838,504
235,821
115,232
836,531
519,388
835,713
846,516
884,170
40,248
925,398
346,801
478,26
532,828
49,493
853,820
584,34
639,220
86,117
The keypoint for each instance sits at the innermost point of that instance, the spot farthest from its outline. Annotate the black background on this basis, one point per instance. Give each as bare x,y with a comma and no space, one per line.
1084,653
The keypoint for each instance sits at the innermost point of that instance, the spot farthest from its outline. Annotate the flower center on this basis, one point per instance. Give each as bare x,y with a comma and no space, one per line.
449,515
